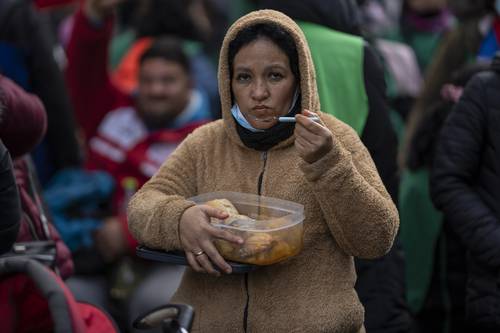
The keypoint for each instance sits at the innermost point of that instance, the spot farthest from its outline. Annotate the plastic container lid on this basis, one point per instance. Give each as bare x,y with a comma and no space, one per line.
259,208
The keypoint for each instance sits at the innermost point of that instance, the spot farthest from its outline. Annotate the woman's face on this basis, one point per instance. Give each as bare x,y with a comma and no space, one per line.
263,84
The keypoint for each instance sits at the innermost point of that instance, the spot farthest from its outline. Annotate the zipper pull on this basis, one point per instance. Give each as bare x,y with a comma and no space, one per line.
264,155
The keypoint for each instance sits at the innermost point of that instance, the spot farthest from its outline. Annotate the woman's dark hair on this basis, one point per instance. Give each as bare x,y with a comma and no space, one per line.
169,49
274,33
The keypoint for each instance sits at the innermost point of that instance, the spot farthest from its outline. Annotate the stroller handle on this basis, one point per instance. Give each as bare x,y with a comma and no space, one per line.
173,318
186,316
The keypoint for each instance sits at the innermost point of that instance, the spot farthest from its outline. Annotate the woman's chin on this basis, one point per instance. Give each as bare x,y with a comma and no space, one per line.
264,123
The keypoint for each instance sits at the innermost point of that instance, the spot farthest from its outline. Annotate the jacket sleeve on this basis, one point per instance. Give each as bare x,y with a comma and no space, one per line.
23,120
10,207
357,208
454,175
155,210
90,87
378,134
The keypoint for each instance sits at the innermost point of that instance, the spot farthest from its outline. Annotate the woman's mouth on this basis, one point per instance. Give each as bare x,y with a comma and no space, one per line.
264,119
262,113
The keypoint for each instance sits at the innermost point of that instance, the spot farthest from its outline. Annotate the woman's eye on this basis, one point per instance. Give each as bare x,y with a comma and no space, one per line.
275,76
242,77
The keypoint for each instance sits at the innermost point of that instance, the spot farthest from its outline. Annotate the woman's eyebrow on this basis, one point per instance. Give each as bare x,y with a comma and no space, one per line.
268,67
242,69
276,65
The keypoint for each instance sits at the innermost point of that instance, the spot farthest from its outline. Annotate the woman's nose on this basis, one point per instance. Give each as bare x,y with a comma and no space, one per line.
260,91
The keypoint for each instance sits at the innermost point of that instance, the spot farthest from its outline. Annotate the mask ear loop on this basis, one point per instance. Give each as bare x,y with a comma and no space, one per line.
294,100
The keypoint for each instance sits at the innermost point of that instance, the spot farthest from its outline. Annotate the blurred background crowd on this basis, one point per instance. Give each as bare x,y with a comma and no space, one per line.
89,109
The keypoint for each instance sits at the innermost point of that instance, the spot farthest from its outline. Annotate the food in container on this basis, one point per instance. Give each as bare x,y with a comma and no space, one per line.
272,229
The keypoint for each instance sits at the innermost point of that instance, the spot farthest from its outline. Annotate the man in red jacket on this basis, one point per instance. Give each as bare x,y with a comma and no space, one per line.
128,136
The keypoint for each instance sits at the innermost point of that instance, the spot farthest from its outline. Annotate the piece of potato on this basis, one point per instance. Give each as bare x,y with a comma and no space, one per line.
224,205
256,243
226,249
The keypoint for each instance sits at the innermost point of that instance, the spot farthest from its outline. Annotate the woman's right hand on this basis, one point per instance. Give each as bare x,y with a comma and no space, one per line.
197,235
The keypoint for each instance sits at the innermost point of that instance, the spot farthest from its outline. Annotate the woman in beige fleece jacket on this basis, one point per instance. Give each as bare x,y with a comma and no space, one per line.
265,71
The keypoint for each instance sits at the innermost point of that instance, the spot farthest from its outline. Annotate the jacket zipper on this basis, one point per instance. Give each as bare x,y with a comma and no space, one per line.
261,176
259,191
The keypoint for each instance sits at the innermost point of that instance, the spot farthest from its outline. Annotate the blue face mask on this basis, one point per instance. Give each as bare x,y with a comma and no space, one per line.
240,118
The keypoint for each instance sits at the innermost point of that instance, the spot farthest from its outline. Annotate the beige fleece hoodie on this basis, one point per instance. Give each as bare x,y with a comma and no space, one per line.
347,213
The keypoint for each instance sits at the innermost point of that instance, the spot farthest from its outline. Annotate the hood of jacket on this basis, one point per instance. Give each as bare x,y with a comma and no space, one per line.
339,15
308,90
23,121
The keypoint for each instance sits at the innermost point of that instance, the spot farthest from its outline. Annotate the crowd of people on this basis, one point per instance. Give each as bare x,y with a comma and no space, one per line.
113,113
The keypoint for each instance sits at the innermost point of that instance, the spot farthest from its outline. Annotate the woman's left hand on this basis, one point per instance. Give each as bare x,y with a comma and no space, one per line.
312,139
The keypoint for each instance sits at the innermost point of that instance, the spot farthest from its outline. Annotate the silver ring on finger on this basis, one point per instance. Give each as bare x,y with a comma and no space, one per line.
198,253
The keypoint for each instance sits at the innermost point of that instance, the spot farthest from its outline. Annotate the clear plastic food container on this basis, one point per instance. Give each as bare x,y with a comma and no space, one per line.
272,229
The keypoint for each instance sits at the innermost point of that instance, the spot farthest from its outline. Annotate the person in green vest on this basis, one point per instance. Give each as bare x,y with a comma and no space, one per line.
351,87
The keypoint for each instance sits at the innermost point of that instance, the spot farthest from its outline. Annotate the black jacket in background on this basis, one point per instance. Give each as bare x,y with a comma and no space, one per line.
465,185
378,134
381,282
10,207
